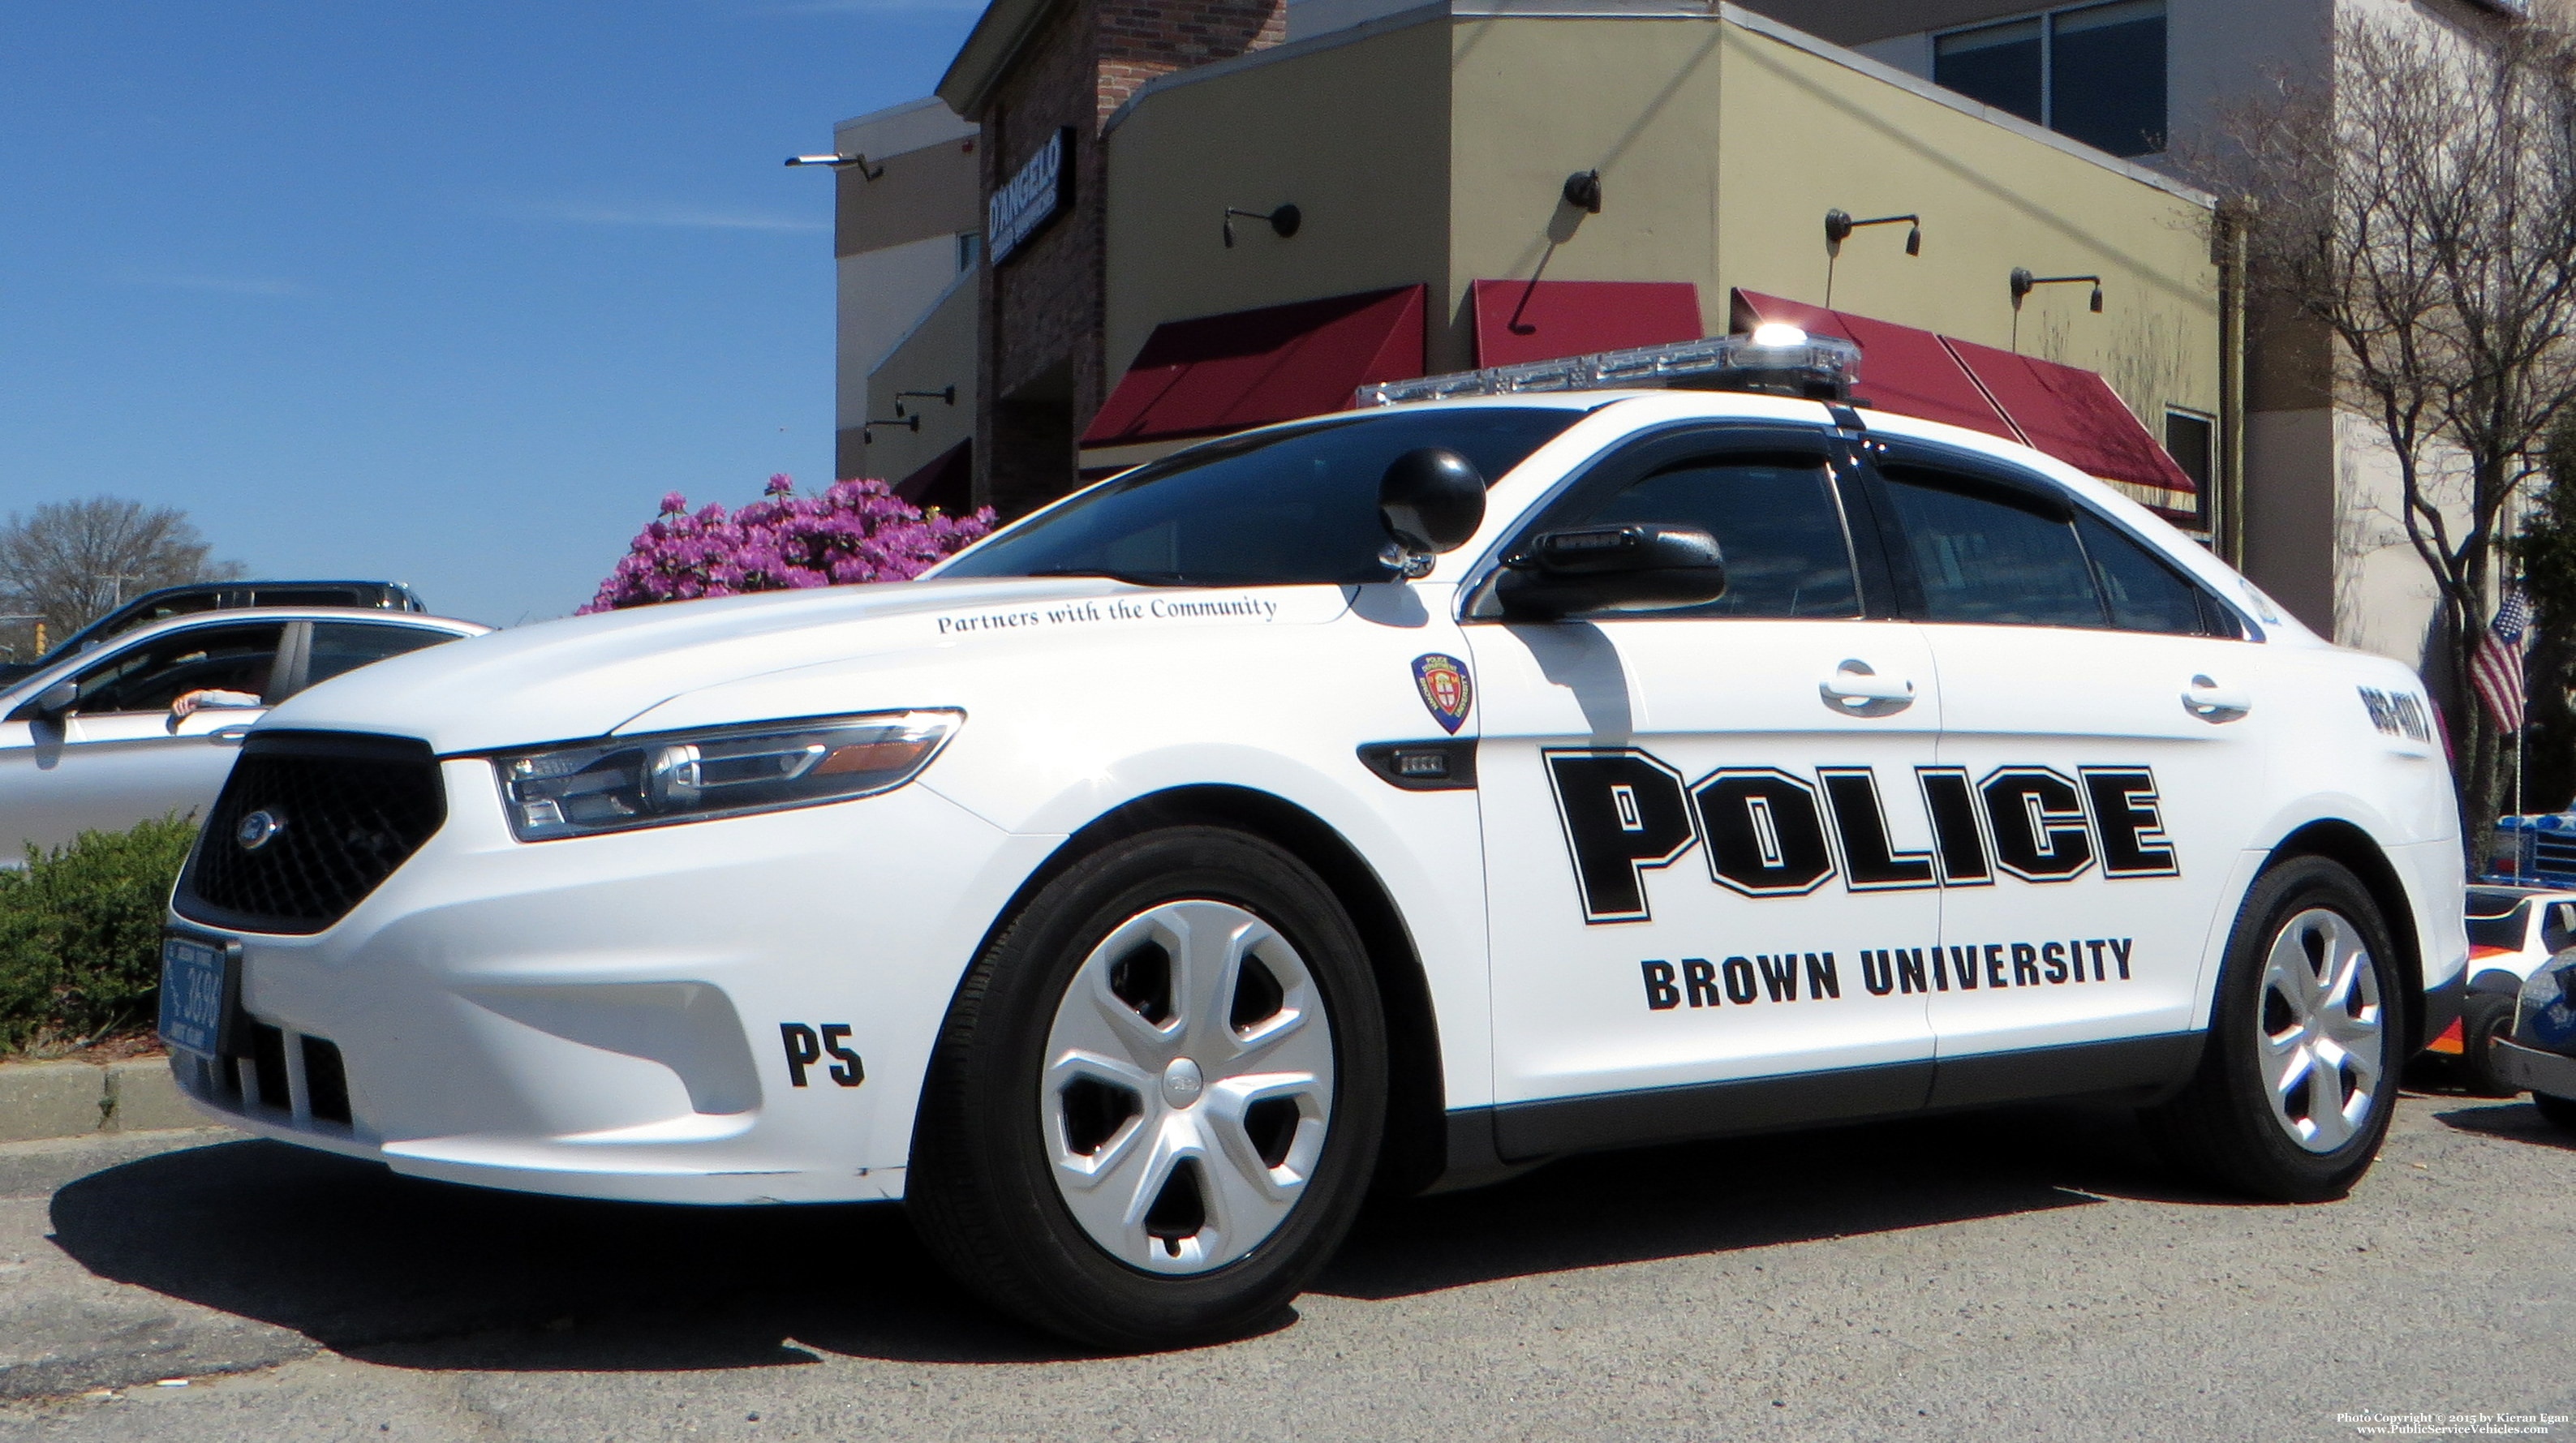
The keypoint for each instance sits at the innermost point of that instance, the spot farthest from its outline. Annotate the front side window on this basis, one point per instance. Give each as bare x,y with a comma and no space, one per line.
151,676
2500,930
1294,506
1989,555
2094,73
1776,522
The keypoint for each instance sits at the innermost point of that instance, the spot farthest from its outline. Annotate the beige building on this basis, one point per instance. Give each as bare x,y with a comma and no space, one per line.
2321,529
1434,146
906,235
1219,213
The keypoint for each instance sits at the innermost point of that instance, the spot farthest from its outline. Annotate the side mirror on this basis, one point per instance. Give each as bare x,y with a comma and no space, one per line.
1640,566
57,699
1430,500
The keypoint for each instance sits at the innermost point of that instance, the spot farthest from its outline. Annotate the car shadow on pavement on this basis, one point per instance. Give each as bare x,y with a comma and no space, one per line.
419,1274
412,1273
2513,1119
1756,1192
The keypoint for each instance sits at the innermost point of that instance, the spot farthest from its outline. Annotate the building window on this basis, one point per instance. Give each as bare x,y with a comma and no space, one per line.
970,249
2192,440
2095,73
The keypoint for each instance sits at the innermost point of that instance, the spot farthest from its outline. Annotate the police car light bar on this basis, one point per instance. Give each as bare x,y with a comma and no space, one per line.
1775,359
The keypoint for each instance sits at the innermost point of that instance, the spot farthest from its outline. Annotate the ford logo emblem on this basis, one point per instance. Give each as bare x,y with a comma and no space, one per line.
257,829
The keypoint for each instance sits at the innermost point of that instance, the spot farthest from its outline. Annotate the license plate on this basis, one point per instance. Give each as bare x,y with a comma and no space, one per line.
198,978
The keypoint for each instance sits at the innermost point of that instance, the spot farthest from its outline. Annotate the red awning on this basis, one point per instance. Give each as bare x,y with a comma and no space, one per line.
1902,368
1215,374
1541,320
2069,413
2073,415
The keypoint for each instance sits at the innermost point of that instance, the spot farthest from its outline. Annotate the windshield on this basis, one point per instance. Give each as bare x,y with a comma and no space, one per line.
1284,507
2500,931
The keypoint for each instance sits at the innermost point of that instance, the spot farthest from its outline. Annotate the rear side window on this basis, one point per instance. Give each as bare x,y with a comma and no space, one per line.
1775,520
342,646
2142,592
1985,554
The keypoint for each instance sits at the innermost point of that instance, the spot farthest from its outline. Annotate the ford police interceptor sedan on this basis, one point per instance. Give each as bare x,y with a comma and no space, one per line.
1407,795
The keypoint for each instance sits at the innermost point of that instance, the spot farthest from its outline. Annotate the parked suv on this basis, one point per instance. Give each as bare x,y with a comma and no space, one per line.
172,601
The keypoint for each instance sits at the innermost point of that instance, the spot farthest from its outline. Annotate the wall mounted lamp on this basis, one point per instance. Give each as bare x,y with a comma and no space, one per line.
836,162
1838,228
1283,222
1583,191
2023,282
1839,225
868,429
947,394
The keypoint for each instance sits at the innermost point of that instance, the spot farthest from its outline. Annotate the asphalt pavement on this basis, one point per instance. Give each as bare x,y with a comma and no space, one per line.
2032,1273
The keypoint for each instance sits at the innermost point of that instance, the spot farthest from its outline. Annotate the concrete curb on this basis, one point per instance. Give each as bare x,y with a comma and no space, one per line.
79,1099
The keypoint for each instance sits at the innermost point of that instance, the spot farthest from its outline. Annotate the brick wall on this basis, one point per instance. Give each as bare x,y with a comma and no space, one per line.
1044,309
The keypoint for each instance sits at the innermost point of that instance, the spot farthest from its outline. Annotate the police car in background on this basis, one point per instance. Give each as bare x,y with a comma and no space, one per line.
1408,795
2513,933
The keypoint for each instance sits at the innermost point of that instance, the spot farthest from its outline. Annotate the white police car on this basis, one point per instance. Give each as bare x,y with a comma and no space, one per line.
1303,810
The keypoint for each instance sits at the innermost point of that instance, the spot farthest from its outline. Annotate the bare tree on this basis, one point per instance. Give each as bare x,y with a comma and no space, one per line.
72,561
2418,206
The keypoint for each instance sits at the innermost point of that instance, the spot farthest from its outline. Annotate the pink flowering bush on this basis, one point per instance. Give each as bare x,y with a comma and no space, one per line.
854,532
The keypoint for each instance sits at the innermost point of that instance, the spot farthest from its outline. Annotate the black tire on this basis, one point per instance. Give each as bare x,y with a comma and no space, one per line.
2223,1127
984,1191
2484,1017
2560,1110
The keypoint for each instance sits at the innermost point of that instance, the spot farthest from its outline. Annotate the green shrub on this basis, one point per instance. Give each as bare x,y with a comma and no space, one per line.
80,934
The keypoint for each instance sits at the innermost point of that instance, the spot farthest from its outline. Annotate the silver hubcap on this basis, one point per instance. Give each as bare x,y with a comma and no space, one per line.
2322,1034
1189,1082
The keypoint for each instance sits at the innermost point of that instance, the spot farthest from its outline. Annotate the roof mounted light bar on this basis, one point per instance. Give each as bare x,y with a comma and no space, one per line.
1776,360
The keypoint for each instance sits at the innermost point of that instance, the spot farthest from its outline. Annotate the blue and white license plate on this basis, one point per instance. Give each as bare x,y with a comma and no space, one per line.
196,992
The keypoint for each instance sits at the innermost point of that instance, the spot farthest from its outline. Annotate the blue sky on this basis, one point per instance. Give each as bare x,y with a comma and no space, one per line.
445,292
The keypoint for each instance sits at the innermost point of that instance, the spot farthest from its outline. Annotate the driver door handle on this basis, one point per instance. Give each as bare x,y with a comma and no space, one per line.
1856,689
2213,703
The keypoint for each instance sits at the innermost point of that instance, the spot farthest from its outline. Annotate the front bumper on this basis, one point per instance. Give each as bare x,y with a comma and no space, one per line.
603,1016
2442,1002
2527,1069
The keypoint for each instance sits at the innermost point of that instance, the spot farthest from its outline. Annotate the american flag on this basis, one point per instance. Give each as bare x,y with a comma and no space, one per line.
2496,670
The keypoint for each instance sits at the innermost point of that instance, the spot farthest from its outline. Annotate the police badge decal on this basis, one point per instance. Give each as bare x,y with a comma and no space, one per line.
1442,680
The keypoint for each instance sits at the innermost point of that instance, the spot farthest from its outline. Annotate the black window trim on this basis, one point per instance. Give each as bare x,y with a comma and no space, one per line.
1647,451
2033,491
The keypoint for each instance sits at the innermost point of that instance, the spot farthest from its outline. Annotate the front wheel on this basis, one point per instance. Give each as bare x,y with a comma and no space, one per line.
2560,1110
2298,1076
1157,1099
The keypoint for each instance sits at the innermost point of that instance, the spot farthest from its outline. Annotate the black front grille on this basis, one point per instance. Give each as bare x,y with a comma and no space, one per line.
342,812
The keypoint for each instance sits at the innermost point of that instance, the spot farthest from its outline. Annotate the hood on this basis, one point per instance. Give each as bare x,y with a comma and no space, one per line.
584,676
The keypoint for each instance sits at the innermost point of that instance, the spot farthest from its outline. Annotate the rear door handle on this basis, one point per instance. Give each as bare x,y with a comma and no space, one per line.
2215,704
1856,689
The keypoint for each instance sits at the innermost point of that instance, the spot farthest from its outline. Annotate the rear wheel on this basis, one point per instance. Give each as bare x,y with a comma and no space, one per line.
2298,1076
1157,1099
2483,1018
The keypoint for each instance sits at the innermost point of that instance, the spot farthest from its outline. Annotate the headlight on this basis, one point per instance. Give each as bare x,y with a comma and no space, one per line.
651,781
